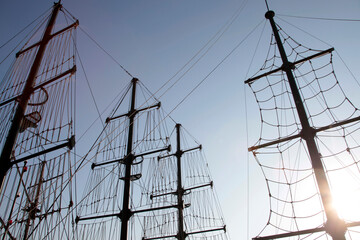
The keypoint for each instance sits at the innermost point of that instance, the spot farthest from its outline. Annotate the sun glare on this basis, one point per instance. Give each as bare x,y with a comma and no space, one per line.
346,202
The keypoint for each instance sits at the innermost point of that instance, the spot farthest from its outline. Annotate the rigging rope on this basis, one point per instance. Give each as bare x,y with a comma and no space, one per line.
34,30
213,70
186,96
214,39
328,44
46,14
83,160
50,113
107,53
90,89
225,27
322,18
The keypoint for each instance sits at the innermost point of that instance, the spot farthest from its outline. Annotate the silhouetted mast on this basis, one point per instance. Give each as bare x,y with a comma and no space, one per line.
5,163
334,226
180,191
29,93
126,213
29,89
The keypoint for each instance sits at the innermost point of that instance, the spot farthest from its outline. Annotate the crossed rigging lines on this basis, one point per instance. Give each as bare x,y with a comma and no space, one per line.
202,55
204,50
196,58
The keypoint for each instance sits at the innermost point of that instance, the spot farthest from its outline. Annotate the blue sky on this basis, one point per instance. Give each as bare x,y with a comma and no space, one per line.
154,39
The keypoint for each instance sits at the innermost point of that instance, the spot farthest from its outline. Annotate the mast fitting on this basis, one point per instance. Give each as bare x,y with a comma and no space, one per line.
269,14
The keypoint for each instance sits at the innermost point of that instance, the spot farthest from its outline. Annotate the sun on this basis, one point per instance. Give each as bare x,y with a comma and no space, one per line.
346,201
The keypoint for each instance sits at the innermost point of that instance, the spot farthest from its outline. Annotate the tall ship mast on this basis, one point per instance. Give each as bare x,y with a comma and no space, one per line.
136,189
148,176
37,134
183,179
308,148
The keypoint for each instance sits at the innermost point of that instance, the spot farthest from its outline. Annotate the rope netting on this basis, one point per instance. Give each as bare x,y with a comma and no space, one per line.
37,194
34,196
49,115
294,199
151,176
103,193
201,212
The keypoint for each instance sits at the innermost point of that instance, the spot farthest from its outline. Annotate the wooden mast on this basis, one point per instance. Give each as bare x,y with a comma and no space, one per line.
5,158
32,209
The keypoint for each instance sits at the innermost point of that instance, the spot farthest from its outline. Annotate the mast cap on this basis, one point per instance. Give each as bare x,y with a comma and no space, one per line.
135,79
269,14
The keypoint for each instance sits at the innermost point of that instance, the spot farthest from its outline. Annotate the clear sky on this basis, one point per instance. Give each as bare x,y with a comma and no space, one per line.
153,39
